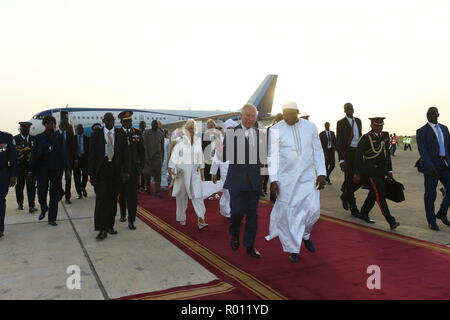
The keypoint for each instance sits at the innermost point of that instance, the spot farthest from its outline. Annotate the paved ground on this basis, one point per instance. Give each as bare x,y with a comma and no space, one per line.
35,256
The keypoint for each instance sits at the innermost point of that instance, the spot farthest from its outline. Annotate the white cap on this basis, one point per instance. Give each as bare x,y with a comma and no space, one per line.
230,123
290,105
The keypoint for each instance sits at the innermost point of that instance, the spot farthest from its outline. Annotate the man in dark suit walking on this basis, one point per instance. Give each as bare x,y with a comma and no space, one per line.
434,149
328,141
80,168
244,180
347,136
66,131
109,165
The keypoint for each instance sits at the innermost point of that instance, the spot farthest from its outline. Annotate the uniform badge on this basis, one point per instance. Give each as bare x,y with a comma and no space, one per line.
3,147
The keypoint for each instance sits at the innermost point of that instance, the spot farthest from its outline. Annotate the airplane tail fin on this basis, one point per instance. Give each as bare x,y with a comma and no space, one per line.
262,99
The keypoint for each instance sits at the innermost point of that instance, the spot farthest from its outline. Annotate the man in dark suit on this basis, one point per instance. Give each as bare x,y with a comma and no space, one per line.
80,168
129,190
328,141
24,145
8,172
49,161
109,166
244,178
434,149
66,131
347,136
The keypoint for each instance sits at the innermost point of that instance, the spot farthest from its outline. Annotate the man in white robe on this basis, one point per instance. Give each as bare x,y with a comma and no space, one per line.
297,171
216,164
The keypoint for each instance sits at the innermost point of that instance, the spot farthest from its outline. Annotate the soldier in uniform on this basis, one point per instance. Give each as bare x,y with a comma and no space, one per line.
24,145
129,190
372,165
8,172
49,160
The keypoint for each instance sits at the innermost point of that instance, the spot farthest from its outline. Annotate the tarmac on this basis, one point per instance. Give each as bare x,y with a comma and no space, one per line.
35,256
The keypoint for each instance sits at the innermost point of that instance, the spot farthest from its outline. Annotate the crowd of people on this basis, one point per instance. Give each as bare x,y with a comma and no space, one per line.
290,157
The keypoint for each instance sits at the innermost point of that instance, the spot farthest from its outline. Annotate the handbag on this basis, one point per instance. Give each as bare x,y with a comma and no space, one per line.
394,190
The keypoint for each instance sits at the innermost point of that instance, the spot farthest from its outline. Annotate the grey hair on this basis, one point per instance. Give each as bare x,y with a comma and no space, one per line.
247,106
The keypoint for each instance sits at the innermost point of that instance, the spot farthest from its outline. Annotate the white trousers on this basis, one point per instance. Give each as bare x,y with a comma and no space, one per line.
182,203
224,202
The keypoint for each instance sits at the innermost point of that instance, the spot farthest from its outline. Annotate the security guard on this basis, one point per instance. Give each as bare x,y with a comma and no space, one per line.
49,160
372,165
8,172
129,190
24,146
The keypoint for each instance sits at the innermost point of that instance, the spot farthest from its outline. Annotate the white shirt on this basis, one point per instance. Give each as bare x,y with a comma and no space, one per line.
355,139
105,131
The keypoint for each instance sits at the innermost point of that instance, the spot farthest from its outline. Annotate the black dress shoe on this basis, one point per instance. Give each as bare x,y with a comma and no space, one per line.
131,226
123,218
293,257
443,218
394,225
68,201
112,231
80,197
355,213
20,207
366,218
53,223
309,245
102,235
84,193
434,227
234,243
344,204
1,234
32,210
42,215
252,252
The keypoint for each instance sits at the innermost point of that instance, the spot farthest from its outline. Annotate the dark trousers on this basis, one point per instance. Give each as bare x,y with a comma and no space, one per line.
430,194
106,200
377,194
408,146
265,182
330,161
349,187
128,198
68,185
4,188
49,180
393,149
244,203
155,168
80,174
22,180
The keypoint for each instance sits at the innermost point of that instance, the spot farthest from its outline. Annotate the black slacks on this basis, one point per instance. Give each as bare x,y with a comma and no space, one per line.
106,200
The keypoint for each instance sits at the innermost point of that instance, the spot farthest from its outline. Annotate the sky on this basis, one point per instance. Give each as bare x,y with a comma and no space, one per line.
388,58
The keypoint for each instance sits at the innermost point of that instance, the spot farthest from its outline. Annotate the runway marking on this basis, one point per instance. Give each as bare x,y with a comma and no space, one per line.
244,278
382,233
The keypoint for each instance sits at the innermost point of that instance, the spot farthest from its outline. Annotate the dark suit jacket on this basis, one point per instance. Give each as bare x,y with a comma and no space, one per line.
324,140
428,145
121,159
85,143
245,176
49,152
343,134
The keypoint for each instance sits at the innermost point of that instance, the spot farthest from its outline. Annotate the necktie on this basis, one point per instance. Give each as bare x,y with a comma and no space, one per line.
329,139
80,146
110,147
441,142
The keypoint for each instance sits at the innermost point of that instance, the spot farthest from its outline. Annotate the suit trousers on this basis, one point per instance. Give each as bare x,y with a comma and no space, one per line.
22,180
106,200
430,194
244,203
349,187
48,179
330,161
128,198
80,174
4,188
377,194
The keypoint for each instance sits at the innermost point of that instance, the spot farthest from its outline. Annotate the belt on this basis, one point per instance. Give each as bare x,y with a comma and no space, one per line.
442,158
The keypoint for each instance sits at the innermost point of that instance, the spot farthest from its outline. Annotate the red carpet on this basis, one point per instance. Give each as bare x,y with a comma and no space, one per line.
410,268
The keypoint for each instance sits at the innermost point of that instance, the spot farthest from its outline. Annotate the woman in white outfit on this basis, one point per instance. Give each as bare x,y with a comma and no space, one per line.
164,173
186,167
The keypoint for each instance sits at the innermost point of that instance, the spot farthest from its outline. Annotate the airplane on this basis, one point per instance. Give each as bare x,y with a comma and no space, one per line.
262,98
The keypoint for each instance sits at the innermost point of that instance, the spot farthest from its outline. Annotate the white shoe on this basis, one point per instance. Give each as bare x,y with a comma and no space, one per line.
217,196
183,223
202,225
